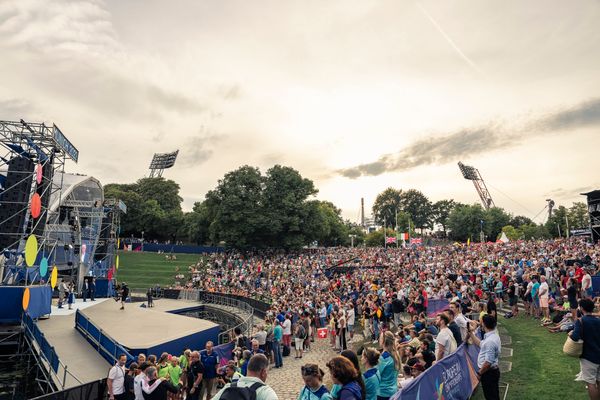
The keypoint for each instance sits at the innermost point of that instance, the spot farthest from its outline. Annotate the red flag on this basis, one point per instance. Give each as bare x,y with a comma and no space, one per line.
322,333
389,240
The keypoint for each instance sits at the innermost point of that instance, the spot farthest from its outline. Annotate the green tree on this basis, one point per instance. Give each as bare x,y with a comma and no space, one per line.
465,222
376,238
440,212
578,216
495,219
358,232
557,224
533,231
519,220
418,206
386,205
511,232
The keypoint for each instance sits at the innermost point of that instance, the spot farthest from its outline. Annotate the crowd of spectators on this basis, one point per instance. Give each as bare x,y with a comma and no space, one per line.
386,296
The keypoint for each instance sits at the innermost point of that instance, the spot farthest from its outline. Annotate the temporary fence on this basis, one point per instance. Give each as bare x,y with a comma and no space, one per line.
108,348
55,367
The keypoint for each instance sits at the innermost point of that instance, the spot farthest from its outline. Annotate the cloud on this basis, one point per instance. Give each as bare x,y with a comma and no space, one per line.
465,142
198,149
57,26
15,107
569,193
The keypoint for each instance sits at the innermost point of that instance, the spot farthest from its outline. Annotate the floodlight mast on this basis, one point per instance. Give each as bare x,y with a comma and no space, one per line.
162,161
472,174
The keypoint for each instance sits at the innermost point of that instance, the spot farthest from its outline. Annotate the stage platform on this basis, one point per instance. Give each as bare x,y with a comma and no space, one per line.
152,330
137,329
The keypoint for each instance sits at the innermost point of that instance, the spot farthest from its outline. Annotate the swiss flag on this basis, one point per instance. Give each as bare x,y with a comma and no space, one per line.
322,333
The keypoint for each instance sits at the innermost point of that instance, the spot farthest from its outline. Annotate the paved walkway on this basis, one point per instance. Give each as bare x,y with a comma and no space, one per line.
287,381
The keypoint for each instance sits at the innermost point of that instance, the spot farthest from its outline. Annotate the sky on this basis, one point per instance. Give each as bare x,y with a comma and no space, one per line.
356,95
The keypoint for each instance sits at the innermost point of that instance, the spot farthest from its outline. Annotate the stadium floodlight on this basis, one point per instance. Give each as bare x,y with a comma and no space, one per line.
162,161
472,174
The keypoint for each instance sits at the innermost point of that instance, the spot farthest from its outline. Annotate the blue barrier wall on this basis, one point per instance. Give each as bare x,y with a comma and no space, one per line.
108,348
454,377
11,310
174,248
46,349
596,285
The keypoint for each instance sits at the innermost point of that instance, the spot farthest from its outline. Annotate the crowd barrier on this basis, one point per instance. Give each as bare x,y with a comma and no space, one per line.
88,391
108,348
172,248
47,352
454,377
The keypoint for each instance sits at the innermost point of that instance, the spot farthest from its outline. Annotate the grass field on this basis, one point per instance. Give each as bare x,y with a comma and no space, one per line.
540,370
143,270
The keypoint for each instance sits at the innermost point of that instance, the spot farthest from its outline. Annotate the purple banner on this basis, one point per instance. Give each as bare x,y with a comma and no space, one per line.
436,306
452,378
224,352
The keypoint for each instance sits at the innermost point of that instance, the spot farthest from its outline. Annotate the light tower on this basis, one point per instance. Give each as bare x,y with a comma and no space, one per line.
472,174
162,161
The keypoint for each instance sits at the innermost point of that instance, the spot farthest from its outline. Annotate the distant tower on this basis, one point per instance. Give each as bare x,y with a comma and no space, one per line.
550,207
472,174
362,212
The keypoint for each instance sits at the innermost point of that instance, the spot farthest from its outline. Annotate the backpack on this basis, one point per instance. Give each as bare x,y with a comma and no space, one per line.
235,392
301,332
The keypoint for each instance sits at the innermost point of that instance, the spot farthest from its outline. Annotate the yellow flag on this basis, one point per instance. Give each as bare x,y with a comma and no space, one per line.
468,241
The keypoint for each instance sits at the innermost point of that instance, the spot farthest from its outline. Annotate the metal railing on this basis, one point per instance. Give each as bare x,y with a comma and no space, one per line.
56,368
108,348
238,309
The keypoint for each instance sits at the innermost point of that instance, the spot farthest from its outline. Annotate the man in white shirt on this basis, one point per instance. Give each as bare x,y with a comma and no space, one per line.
116,380
460,320
350,319
444,342
586,285
287,331
544,292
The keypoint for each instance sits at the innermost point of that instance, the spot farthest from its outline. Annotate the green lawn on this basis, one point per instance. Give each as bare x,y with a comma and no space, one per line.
540,370
142,270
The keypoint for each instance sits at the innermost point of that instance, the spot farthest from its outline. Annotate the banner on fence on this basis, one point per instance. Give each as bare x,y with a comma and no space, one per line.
437,306
454,377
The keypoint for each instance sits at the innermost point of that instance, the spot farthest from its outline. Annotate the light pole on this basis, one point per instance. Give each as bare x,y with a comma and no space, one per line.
352,239
142,241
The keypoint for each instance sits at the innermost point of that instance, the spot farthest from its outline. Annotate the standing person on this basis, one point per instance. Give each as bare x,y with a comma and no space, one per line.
124,294
92,289
116,380
586,285
210,360
277,336
287,331
71,295
588,329
299,336
149,298
572,296
487,360
258,369
195,374
343,373
445,344
371,377
62,288
159,392
544,293
389,366
323,316
460,320
351,320
342,330
313,388
85,290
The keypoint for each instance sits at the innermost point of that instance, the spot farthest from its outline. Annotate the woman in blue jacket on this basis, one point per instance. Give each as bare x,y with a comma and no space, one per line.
345,374
389,365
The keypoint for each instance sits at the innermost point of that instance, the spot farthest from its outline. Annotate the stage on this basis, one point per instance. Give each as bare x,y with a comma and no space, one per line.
150,330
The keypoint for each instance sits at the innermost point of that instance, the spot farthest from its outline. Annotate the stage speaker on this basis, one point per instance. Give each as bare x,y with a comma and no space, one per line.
593,203
14,205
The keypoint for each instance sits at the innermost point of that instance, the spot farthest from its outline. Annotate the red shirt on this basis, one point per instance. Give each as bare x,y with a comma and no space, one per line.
579,274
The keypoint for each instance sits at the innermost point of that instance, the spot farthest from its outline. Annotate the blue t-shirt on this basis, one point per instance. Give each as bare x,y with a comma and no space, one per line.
210,362
389,375
320,394
534,289
372,379
278,333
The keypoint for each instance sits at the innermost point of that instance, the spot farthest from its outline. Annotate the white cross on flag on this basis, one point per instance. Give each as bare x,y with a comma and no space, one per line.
322,333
